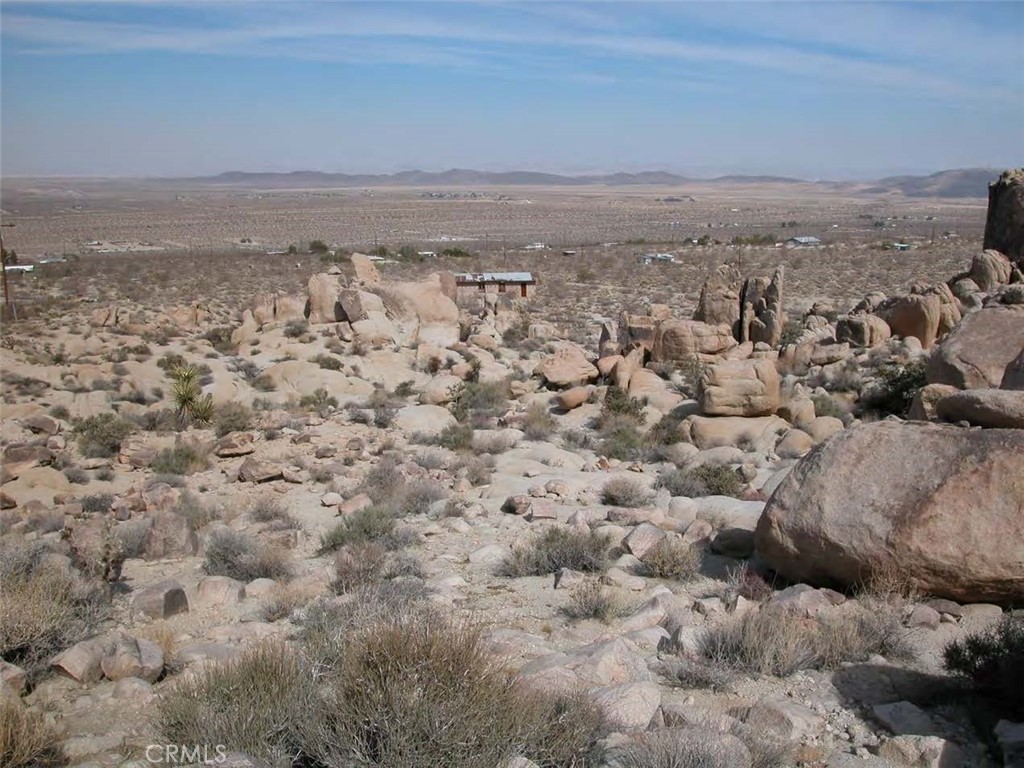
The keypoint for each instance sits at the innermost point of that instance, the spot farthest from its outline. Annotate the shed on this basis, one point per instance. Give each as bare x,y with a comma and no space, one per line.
803,241
497,282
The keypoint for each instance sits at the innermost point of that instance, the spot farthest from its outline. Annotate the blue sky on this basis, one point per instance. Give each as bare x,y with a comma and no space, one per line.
812,89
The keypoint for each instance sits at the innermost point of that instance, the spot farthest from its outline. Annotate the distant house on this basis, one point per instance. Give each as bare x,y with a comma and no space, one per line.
568,253
901,246
803,241
427,254
19,268
651,258
535,247
497,282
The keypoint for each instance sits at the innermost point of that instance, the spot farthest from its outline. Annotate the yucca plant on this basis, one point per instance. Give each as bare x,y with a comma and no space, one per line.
191,405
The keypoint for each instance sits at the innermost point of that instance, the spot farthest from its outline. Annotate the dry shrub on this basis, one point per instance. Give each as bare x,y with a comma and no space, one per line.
704,480
671,559
993,660
590,600
231,417
419,690
626,491
26,741
270,510
180,460
493,444
538,423
775,641
559,548
45,606
369,563
284,600
374,524
690,747
240,556
254,704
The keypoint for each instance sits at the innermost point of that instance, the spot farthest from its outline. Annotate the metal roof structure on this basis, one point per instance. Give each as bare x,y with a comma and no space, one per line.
804,240
495,277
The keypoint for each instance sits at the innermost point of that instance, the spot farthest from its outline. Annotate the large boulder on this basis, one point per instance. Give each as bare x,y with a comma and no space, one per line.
323,290
720,297
1000,408
757,434
678,341
366,271
862,330
975,354
1004,225
989,270
761,315
913,315
740,388
567,367
637,329
941,505
422,310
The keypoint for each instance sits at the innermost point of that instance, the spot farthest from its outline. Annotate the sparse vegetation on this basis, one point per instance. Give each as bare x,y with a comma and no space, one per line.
26,740
671,559
559,548
242,557
992,660
231,417
625,491
101,436
180,460
591,600
703,480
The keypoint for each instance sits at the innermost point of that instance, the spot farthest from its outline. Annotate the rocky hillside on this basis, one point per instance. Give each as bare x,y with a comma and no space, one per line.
384,523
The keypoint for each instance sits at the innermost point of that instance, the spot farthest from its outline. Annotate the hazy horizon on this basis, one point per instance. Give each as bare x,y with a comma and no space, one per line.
824,90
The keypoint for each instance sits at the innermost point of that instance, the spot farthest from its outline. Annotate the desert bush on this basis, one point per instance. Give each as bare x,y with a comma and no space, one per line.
180,460
591,600
559,548
419,690
620,439
319,401
26,740
688,673
220,338
456,437
270,510
625,491
106,474
156,420
231,417
46,606
494,443
133,536
538,423
253,704
478,469
191,405
774,641
327,362
191,508
993,661
479,399
791,331
77,476
371,524
97,503
618,404
577,439
60,412
283,601
665,431
100,436
294,329
240,556
896,388
369,563
671,559
703,480
405,389
703,745
826,405
418,495
45,520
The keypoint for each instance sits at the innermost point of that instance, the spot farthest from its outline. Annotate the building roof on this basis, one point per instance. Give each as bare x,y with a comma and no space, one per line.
494,277
805,239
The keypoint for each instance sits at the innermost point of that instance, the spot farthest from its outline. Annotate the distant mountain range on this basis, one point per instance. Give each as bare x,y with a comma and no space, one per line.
966,182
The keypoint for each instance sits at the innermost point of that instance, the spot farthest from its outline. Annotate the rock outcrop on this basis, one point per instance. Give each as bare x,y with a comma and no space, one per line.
761,315
720,297
939,505
913,315
975,354
1004,226
677,341
740,388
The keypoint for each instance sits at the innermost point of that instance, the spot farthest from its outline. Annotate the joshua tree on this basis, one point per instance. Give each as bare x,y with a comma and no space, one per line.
190,404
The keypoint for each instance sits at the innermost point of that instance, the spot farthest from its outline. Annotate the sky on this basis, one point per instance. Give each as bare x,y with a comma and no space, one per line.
821,89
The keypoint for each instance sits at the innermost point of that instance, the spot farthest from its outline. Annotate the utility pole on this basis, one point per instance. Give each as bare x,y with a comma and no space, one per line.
8,307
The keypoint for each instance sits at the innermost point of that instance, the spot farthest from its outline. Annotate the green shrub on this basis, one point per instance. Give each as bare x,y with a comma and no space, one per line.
456,437
703,480
898,384
293,329
97,503
625,491
479,399
671,559
231,417
993,661
371,524
220,338
320,400
270,510
77,475
559,548
826,405
180,460
620,439
100,436
239,556
327,362
618,404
